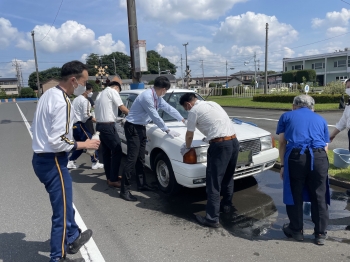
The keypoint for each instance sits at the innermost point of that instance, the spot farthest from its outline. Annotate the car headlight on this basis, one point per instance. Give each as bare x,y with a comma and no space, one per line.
267,142
196,155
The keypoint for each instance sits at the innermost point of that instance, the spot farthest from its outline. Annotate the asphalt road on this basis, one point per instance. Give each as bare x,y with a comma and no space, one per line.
267,119
157,227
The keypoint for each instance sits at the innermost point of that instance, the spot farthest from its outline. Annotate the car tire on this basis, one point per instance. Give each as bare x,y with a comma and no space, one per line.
165,175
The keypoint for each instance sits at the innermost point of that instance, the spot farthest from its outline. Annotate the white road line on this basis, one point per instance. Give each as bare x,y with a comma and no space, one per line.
268,119
89,251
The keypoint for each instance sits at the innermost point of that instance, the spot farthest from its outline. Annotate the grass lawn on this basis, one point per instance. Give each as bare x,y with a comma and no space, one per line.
248,102
339,173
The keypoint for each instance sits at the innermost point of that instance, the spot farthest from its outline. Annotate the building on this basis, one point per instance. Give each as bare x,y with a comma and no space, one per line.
219,80
48,84
329,67
247,77
9,85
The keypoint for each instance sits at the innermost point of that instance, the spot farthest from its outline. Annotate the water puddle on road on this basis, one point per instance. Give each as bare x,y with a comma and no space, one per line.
258,212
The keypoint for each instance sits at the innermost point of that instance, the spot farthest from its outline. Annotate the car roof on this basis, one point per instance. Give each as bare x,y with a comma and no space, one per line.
139,91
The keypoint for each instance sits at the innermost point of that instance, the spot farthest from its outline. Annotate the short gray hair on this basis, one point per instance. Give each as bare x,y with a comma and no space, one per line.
304,101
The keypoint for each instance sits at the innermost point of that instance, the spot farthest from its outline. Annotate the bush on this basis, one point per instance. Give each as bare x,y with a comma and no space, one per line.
27,92
289,76
309,75
334,88
227,91
288,98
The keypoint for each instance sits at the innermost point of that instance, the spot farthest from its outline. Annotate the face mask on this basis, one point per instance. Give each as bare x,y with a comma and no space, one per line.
347,91
79,90
90,94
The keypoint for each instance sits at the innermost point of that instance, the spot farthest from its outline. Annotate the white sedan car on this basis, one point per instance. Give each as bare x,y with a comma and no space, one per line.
257,149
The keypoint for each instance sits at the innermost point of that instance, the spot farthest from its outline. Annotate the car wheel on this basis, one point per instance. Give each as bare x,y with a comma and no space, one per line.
165,175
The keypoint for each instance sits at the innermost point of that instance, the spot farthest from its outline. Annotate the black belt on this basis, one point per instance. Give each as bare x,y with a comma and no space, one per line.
134,124
105,123
308,149
52,154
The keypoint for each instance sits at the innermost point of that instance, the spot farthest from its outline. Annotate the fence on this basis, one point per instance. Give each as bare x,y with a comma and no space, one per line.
212,91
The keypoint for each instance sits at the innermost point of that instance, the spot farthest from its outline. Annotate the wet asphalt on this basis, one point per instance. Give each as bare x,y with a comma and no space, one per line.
157,227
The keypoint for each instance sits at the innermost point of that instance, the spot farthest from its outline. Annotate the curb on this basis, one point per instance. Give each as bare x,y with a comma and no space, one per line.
280,109
332,180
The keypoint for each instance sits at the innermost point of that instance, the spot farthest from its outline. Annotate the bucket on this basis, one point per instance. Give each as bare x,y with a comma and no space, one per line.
341,158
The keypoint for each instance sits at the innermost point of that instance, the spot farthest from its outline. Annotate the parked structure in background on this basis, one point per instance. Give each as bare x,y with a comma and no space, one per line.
48,84
246,77
9,85
329,67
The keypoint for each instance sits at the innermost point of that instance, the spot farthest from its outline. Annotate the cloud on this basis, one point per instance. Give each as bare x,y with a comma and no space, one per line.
337,30
27,67
7,33
249,29
333,19
70,37
179,10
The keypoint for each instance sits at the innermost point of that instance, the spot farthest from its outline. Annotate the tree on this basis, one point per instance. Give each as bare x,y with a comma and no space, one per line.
53,72
95,87
271,72
2,92
152,62
27,92
122,62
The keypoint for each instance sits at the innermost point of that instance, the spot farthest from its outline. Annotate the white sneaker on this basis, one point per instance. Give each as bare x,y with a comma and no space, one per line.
96,165
71,165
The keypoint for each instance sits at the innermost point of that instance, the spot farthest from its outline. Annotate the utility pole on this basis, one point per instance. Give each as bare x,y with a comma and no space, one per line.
187,78
255,70
18,75
226,76
266,50
115,68
36,66
158,69
182,73
133,37
202,72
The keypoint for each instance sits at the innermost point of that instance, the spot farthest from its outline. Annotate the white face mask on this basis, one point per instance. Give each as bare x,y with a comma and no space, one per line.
79,90
347,91
90,94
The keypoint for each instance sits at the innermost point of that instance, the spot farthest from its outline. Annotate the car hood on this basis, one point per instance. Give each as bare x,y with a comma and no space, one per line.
243,132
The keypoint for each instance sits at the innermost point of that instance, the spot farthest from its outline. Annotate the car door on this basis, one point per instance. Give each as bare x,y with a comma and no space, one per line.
128,99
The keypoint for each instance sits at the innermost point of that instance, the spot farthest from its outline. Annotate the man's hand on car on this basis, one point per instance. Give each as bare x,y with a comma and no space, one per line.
172,133
184,149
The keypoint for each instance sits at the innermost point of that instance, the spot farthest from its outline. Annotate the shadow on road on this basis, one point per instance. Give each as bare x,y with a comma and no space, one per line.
14,247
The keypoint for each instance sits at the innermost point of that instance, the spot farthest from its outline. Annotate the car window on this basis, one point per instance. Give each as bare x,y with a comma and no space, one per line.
131,98
173,99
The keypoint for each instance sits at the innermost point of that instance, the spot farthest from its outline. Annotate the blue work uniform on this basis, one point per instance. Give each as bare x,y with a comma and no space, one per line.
52,140
305,176
302,129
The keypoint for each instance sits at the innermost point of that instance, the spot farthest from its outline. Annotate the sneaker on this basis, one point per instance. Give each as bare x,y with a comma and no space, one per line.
298,236
320,239
204,222
71,165
225,209
82,239
96,165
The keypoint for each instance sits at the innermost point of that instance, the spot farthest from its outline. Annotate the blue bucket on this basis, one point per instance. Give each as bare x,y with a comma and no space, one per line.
341,158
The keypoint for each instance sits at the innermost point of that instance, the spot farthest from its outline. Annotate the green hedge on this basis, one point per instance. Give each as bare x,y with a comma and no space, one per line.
319,99
15,96
227,91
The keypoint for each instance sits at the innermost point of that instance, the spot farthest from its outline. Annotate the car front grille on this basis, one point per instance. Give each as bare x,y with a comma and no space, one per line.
253,145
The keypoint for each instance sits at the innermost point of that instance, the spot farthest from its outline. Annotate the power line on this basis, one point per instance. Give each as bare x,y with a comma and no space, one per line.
52,22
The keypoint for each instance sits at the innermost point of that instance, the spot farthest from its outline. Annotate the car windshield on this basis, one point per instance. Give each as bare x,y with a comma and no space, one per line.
173,99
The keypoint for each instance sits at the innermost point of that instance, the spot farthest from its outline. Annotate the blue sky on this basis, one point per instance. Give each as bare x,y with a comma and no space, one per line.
217,30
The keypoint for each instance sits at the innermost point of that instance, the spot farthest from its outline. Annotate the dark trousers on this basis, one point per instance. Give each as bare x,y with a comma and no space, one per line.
136,141
81,133
53,173
90,126
300,175
221,165
111,150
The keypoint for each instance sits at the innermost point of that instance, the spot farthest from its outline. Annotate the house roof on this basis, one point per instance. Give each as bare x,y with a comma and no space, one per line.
8,79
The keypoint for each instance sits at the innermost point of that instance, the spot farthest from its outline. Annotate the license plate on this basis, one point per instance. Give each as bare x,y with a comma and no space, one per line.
244,158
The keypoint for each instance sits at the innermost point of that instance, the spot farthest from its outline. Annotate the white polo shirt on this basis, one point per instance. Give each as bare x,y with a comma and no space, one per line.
82,108
106,105
52,126
211,119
